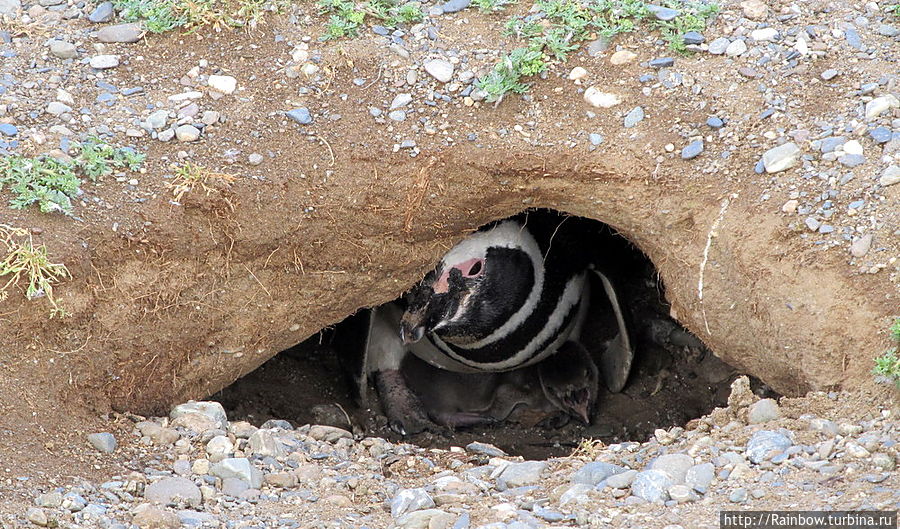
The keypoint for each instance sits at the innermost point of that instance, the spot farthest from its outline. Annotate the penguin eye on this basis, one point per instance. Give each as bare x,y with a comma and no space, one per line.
475,269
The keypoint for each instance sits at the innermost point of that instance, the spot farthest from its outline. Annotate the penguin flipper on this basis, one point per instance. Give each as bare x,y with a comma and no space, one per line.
351,342
607,324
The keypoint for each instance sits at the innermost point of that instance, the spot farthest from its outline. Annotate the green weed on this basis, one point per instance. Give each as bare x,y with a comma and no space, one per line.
345,17
492,6
160,16
52,183
20,259
888,364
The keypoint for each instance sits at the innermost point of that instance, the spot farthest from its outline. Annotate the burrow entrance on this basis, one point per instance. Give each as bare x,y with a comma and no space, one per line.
675,378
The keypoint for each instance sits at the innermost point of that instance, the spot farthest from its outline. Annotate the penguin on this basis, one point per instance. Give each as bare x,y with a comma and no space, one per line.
561,387
506,297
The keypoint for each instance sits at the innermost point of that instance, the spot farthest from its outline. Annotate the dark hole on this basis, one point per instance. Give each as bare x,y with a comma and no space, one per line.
475,268
674,379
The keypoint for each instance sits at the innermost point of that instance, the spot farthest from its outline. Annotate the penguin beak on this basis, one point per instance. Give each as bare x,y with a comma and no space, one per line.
579,402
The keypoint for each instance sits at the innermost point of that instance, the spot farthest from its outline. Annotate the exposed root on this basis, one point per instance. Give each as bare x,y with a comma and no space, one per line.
713,232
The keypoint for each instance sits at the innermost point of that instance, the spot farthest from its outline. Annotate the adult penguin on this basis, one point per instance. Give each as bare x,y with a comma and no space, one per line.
506,297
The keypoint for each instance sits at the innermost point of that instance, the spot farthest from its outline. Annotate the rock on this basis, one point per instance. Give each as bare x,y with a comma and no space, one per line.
409,500
263,443
187,133
194,422
255,158
576,493
397,115
886,30
829,74
102,13
635,116
884,461
485,449
881,134
741,396
622,57
166,135
831,143
765,444
63,50
781,158
104,62
175,490
764,34
126,33
812,224
237,467
853,147
595,139
104,442
738,495
9,130
426,519
594,472
622,480
890,176
860,247
56,108
682,494
763,411
736,48
522,474
718,46
598,47
699,477
594,97
37,517
73,502
284,480
219,447
10,7
662,13
454,5
329,434
300,115
400,101
857,451
692,150
755,9
156,518
50,500
233,486
675,465
652,485
693,38
790,206
440,69
852,160
577,73
225,84
880,105
241,429
662,62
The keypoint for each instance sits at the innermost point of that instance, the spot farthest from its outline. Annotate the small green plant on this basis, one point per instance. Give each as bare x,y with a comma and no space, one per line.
160,16
894,10
556,28
52,183
888,364
20,259
345,17
492,6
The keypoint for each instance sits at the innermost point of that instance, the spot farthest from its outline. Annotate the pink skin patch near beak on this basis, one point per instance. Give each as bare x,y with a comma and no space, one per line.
470,268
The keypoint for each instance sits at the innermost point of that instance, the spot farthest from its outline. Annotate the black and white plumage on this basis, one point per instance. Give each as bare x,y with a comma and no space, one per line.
505,298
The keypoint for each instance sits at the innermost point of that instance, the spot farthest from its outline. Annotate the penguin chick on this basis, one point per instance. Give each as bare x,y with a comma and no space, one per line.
570,381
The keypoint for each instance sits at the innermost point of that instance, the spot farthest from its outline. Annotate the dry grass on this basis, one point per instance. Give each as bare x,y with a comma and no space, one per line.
189,177
22,260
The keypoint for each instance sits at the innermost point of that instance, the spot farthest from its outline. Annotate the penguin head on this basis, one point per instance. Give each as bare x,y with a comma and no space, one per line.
476,288
570,381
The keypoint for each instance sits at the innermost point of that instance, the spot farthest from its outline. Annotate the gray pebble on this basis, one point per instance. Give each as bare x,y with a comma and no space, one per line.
663,13
300,115
104,62
622,480
718,46
886,30
881,134
409,500
126,33
852,160
234,486
765,443
635,116
594,472
652,485
736,48
187,133
595,139
255,158
440,69
63,50
8,129
237,467
781,158
521,474
693,37
104,442
860,247
10,7
675,465
831,143
692,150
56,108
485,449
397,115
400,101
715,122
763,411
454,5
738,495
829,74
173,490
662,62
700,476
812,223
853,39
102,13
